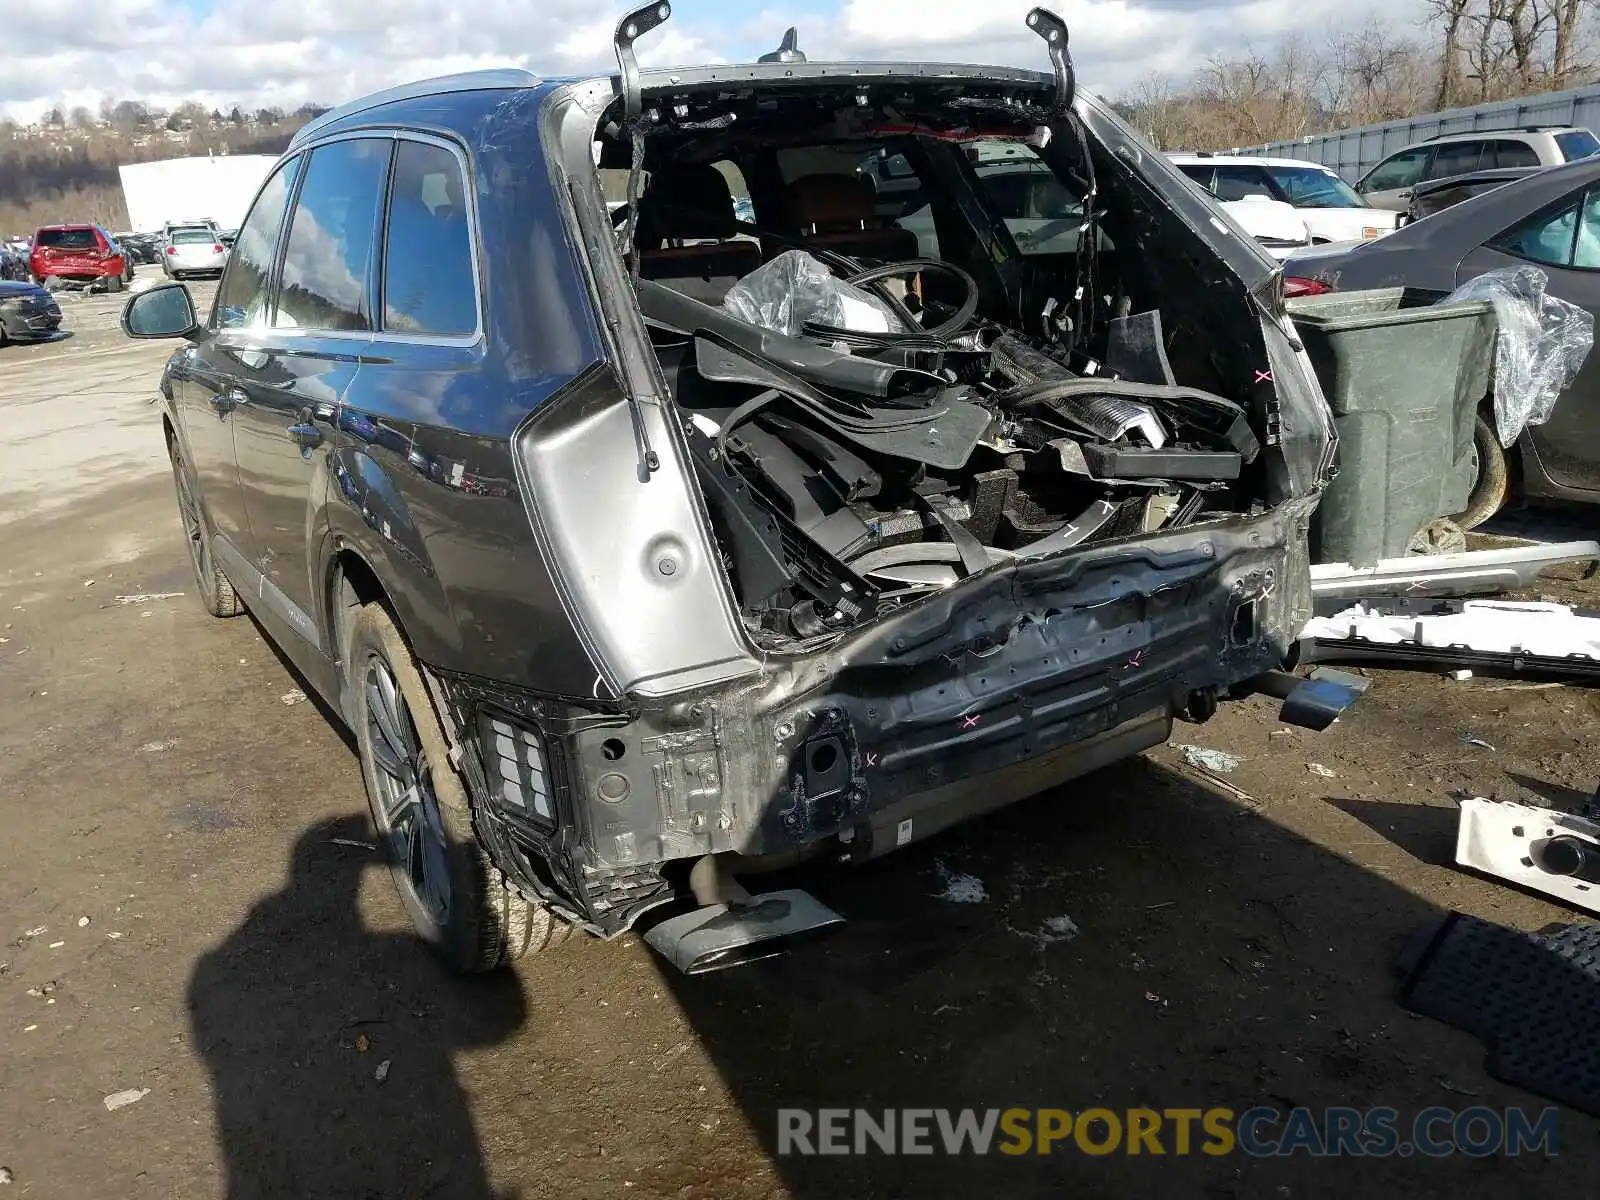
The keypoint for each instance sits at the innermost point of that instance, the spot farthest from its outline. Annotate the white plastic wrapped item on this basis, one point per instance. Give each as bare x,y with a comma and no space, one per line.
795,288
1541,344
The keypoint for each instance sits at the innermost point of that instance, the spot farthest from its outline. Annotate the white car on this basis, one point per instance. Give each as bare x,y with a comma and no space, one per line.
193,250
1330,207
1273,223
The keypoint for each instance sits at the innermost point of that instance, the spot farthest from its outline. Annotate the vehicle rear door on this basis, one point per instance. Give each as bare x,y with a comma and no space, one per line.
1563,240
205,386
295,371
1388,185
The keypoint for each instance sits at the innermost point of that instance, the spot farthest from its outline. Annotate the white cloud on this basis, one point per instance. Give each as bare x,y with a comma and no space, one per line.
286,52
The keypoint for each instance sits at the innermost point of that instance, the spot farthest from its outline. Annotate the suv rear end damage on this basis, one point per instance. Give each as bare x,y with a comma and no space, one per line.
991,522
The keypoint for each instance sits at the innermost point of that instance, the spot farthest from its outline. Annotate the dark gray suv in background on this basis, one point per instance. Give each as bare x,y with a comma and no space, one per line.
644,549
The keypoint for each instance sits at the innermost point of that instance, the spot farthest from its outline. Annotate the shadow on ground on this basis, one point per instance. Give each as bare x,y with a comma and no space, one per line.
302,1008
1220,960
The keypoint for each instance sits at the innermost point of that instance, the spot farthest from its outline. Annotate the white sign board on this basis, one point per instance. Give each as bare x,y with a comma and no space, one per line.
183,189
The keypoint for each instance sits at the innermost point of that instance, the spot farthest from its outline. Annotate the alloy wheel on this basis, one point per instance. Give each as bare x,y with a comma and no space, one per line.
405,807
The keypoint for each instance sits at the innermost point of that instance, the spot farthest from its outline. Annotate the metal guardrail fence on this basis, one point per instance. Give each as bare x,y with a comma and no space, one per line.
1353,152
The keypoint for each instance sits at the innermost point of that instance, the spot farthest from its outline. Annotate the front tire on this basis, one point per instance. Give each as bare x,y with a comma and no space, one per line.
216,593
1493,485
457,898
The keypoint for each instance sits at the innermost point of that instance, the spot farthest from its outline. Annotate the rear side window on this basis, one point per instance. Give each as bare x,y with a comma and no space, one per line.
242,298
192,237
1456,158
1507,153
1577,143
428,284
1546,237
331,236
1401,171
67,239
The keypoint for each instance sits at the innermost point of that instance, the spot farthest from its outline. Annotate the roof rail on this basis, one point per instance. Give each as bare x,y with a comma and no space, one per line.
1497,129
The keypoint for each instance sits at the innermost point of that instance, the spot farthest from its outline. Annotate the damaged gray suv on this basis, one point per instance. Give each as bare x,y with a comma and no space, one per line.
794,505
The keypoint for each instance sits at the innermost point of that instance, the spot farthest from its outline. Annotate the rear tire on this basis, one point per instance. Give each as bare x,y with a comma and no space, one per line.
113,283
458,900
216,593
1493,485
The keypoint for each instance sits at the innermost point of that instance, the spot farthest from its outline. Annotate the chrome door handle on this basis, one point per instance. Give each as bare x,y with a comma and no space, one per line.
305,435
228,400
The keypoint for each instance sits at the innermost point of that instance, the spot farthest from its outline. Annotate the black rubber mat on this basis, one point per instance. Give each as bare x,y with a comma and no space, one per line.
1532,999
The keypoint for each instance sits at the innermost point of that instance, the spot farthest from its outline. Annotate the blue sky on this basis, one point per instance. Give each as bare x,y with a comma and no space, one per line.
285,52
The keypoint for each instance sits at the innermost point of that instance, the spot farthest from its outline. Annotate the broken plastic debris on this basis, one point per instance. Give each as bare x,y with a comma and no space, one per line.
294,697
960,888
382,1072
1458,676
35,931
352,842
82,921
1472,740
57,945
146,597
1219,761
157,747
1319,769
6,1175
124,1098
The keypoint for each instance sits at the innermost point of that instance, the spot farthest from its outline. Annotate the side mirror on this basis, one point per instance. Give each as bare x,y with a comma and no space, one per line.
164,311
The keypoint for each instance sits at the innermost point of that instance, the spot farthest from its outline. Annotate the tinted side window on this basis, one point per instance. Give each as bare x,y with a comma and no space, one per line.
1455,158
1510,154
1545,237
242,296
331,236
428,285
1402,170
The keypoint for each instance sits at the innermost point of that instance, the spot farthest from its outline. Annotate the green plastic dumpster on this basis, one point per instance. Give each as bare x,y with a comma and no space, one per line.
1404,376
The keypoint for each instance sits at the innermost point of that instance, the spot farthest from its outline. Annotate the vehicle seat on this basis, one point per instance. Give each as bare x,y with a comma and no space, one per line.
691,203
836,213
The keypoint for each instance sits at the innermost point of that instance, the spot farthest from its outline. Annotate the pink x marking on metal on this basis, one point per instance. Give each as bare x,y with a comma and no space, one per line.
872,760
970,722
1137,660
1264,377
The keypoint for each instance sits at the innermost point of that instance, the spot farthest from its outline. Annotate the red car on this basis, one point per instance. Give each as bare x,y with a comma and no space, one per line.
79,252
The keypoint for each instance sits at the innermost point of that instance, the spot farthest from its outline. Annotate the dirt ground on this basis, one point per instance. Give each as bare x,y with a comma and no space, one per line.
190,906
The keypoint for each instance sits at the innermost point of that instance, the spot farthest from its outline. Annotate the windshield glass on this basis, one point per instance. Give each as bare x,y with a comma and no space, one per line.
1312,187
1580,143
67,239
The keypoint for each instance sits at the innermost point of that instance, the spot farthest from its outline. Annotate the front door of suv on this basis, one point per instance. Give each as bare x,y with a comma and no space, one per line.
294,371
206,390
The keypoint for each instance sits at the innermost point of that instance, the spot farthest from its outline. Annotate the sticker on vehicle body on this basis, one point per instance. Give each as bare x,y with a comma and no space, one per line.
902,833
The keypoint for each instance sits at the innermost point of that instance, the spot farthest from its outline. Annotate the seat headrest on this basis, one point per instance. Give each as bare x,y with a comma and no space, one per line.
830,203
691,200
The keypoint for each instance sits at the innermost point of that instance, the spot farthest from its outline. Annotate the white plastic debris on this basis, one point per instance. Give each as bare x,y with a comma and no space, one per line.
1557,853
124,1098
1484,626
382,1072
158,747
1219,761
1461,675
35,931
6,1176
146,597
82,921
960,888
294,697
1319,769
57,945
